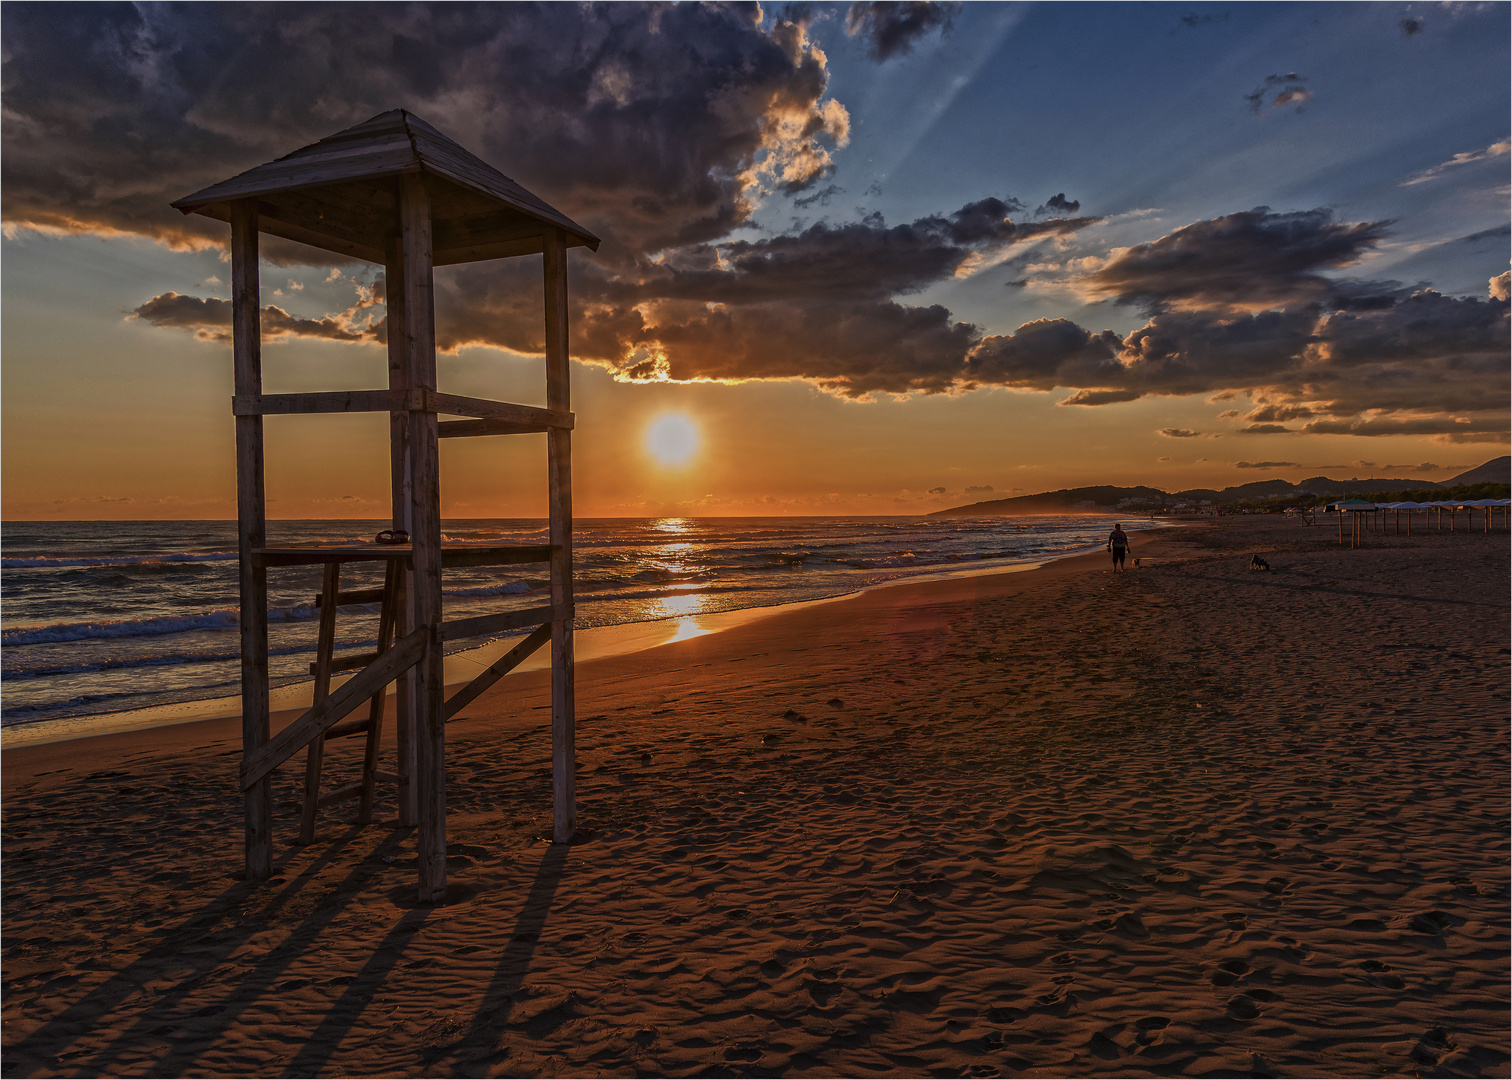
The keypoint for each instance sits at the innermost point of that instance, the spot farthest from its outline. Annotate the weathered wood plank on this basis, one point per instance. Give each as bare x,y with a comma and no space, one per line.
379,701
483,409
559,452
325,645
317,719
462,555
350,790
497,670
495,556
425,538
329,401
348,727
461,429
251,528
499,249
344,663
498,622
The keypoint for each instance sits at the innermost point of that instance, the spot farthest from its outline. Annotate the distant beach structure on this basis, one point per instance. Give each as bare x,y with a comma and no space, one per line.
397,192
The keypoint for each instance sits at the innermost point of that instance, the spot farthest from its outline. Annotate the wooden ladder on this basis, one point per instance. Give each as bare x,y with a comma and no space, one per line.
325,665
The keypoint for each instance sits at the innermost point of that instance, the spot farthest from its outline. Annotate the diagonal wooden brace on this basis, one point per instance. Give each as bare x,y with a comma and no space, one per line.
497,670
313,724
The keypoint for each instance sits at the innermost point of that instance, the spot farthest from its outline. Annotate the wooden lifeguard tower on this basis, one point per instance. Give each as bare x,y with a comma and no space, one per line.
397,192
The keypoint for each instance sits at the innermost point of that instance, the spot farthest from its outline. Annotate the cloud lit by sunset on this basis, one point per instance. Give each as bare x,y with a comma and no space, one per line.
917,229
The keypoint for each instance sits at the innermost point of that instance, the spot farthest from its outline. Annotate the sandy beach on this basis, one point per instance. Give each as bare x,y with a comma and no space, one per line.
1186,820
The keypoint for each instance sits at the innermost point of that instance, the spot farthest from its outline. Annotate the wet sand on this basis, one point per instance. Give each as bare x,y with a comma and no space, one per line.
1188,820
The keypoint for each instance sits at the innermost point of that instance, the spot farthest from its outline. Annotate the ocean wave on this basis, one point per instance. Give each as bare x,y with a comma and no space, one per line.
219,619
508,588
49,562
22,670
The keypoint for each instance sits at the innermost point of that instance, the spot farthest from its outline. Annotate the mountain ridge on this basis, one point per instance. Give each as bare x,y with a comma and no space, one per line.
1108,497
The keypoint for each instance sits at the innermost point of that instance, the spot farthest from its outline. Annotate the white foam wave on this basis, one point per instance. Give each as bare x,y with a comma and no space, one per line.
219,619
116,560
509,588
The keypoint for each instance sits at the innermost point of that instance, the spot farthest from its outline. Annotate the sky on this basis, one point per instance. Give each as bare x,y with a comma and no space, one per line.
861,258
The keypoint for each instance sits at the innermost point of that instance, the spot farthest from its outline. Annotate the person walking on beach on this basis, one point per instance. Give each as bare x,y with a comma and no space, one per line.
1118,544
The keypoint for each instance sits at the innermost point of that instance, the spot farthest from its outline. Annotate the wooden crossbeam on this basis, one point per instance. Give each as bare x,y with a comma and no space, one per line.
497,670
525,417
333,401
483,409
481,555
491,556
349,727
461,429
504,620
342,794
404,655
345,663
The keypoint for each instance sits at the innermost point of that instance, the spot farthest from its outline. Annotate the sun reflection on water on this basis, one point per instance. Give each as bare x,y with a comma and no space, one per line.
681,608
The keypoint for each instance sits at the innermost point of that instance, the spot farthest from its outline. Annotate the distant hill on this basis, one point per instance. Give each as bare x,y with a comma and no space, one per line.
1495,471
1138,498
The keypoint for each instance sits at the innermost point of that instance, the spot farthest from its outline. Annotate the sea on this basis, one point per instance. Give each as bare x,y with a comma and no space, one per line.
104,617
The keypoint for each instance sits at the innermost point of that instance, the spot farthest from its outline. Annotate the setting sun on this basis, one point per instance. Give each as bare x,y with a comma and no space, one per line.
672,439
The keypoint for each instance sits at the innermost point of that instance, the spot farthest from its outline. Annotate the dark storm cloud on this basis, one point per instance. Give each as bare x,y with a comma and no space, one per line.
1254,258
210,319
1102,397
1265,429
891,28
860,260
1266,465
649,123
1058,206
822,196
662,127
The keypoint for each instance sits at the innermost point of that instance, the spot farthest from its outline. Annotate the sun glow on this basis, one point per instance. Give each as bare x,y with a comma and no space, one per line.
672,439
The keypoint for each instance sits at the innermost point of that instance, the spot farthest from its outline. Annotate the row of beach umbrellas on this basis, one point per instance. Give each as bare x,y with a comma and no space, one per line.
1357,507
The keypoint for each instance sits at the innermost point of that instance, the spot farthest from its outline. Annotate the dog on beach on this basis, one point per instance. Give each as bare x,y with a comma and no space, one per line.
1136,564
1257,563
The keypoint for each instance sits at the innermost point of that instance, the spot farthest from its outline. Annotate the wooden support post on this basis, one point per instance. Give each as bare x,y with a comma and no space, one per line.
559,450
399,472
325,646
252,532
427,721
393,600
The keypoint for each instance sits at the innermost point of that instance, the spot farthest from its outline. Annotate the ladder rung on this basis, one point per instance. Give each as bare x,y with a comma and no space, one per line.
382,774
351,727
355,596
345,663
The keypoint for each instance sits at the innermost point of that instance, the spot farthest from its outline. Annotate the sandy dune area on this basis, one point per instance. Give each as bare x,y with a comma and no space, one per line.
1186,820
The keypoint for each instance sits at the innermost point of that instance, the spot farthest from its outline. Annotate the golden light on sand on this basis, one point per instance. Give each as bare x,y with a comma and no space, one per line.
672,439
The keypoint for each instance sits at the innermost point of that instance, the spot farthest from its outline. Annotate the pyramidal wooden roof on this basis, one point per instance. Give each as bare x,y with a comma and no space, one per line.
342,194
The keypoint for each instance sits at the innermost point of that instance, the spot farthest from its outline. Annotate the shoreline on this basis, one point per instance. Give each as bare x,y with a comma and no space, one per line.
594,643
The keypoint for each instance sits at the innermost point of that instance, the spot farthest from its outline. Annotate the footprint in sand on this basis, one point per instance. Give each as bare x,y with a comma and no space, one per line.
1432,1046
1229,972
1243,1007
1432,922
1379,973
1151,1029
